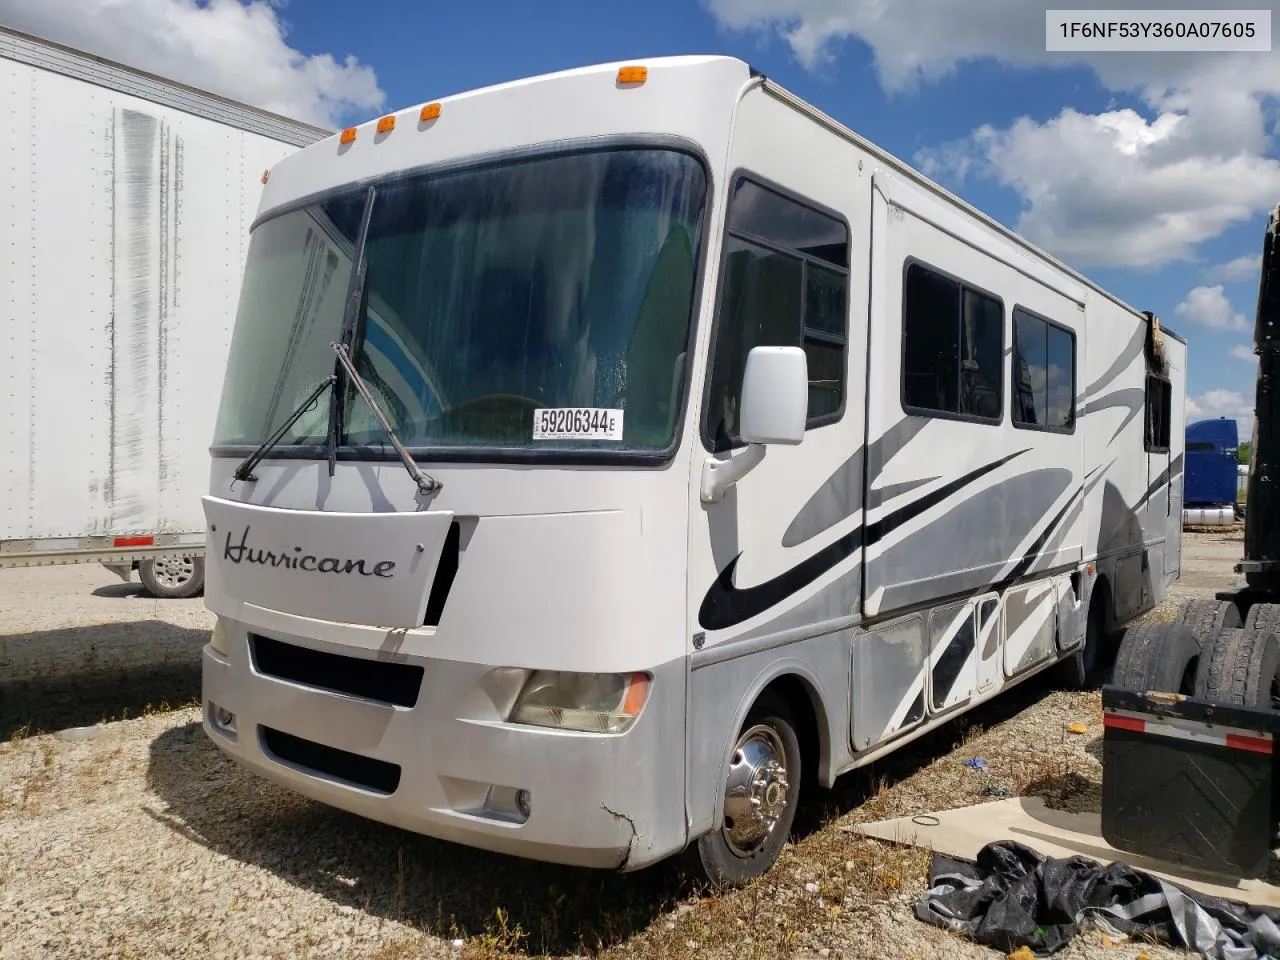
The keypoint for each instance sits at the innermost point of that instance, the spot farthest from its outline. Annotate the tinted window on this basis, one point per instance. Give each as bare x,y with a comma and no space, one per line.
784,283
491,292
952,339
1044,361
759,211
1159,400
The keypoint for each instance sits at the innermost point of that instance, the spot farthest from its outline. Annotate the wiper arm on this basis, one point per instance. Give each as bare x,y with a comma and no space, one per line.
426,484
245,470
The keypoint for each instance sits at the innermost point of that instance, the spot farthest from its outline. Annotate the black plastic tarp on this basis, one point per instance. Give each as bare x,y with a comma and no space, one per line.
1012,896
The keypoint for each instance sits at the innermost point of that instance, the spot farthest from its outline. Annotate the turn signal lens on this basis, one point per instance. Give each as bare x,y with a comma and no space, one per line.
589,702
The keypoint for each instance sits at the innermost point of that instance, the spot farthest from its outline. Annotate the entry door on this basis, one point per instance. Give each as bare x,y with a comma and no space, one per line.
781,550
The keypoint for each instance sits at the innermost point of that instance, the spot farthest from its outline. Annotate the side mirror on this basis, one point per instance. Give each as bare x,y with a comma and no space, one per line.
774,408
775,395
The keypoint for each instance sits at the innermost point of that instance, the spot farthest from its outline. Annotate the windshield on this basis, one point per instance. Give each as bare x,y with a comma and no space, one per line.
544,303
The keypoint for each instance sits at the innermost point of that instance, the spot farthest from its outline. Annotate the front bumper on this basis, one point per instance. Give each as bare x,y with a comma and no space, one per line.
448,765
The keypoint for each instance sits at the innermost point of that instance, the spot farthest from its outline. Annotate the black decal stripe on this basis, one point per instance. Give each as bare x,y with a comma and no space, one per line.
890,522
915,713
726,605
1033,551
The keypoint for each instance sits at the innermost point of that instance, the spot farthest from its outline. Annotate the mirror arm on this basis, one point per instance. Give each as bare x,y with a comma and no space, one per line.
719,475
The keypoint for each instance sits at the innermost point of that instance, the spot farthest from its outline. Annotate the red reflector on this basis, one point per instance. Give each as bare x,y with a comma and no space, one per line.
1253,744
135,541
1124,723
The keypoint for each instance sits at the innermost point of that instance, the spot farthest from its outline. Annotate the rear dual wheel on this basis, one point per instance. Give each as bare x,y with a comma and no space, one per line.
1241,668
1157,657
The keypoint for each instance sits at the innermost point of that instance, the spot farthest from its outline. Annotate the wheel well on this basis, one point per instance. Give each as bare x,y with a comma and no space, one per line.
1102,592
799,698
1109,639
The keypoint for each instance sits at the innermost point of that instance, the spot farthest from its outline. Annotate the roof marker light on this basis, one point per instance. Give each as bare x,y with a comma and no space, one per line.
633,75
430,112
266,175
348,135
386,124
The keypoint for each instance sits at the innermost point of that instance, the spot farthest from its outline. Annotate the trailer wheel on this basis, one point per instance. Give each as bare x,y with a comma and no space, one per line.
1208,618
1241,668
762,787
1157,656
1263,616
173,578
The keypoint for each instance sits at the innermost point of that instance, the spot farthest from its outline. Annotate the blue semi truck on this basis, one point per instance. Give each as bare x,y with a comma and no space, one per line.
1209,489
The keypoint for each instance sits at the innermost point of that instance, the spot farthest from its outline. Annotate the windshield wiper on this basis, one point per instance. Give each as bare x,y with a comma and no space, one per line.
245,470
426,484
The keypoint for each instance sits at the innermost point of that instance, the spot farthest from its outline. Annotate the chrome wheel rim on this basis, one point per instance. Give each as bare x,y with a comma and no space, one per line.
173,571
755,796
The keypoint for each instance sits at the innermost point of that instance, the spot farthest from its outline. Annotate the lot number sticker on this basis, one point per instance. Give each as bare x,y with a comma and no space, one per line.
577,423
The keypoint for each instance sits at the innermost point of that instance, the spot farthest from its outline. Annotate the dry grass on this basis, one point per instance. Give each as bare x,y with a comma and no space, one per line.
832,886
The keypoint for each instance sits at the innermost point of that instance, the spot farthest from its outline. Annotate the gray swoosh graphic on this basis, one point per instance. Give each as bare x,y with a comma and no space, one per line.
1131,398
1127,355
840,496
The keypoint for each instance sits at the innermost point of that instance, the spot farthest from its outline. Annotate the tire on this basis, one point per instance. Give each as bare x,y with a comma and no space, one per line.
172,578
1159,657
1263,616
1208,618
1241,668
1083,670
734,855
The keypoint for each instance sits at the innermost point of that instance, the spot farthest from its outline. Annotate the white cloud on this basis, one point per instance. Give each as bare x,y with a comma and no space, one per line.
1241,352
235,48
1241,268
1118,188
1222,403
1113,189
1209,307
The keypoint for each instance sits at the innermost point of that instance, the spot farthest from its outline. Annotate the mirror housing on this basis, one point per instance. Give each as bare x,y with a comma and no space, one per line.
774,409
775,395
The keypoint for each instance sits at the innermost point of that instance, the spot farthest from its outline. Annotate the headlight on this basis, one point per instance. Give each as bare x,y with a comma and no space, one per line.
218,640
591,702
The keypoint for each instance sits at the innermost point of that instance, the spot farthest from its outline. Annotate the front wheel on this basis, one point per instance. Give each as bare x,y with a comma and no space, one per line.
172,578
762,787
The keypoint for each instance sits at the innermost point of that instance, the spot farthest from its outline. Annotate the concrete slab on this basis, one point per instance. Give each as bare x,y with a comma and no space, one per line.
1054,833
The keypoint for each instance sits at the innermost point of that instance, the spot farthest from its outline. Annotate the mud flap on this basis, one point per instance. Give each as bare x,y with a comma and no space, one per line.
1189,782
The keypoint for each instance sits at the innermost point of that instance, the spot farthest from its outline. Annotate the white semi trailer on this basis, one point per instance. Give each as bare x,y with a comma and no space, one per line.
126,199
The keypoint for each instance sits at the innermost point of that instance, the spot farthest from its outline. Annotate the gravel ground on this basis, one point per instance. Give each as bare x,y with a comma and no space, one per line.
136,838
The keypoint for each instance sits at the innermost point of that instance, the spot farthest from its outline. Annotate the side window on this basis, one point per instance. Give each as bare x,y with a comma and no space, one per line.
785,283
1159,400
1044,374
952,341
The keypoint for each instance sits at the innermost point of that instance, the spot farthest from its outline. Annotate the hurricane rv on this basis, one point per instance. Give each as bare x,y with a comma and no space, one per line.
602,454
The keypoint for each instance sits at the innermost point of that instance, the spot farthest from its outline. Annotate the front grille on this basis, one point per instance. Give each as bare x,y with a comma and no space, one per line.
376,775
397,683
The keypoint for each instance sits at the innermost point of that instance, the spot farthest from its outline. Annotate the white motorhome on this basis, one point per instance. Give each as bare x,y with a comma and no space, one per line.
601,454
127,200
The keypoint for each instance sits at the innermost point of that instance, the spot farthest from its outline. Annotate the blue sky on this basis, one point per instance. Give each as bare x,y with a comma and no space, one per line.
1150,172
